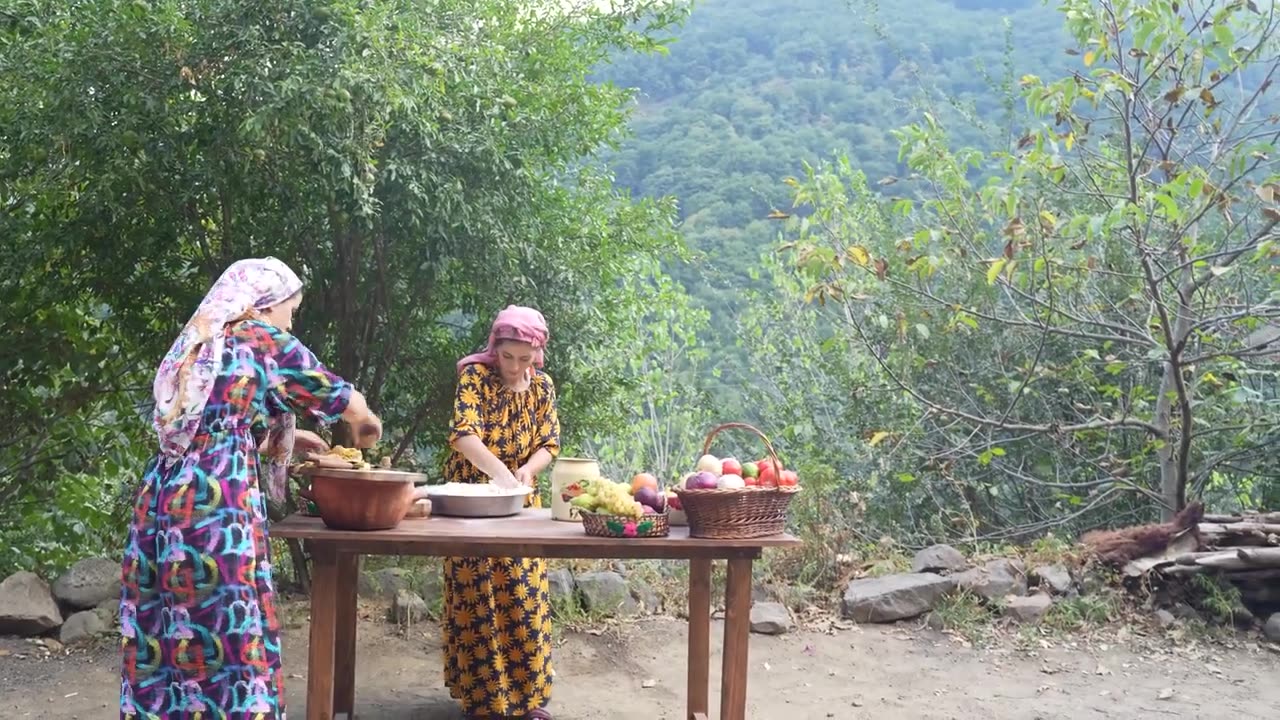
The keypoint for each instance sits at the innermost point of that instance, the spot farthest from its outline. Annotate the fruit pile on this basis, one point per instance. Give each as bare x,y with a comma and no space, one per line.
712,472
602,495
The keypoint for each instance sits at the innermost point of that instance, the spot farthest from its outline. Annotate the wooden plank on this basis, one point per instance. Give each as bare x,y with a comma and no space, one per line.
344,674
532,533
698,691
320,660
737,627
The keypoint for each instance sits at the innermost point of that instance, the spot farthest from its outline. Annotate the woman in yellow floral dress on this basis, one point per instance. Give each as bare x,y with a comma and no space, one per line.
497,614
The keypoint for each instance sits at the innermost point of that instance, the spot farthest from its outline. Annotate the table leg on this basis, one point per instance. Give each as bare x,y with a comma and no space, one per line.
699,638
344,678
324,606
737,627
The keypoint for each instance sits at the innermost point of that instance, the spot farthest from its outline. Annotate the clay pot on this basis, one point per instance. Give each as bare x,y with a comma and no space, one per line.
362,499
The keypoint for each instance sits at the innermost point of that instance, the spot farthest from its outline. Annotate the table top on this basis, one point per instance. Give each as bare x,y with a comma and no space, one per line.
532,533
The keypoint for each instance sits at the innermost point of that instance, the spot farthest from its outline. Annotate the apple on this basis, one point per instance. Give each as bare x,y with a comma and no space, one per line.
731,481
731,466
709,463
750,470
788,478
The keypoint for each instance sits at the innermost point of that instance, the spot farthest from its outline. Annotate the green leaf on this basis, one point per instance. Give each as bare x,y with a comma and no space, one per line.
993,270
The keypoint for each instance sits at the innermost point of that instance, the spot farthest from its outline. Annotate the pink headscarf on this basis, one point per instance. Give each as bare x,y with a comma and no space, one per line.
522,324
187,374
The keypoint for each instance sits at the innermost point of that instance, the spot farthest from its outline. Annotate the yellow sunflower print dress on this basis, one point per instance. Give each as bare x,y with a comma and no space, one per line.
497,611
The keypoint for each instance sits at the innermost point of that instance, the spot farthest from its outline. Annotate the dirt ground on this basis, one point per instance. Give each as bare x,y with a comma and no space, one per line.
637,672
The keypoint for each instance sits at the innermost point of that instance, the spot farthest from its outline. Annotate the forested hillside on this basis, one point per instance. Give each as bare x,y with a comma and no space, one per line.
752,89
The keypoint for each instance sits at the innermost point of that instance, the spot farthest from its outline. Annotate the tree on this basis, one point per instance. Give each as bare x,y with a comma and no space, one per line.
422,164
1093,322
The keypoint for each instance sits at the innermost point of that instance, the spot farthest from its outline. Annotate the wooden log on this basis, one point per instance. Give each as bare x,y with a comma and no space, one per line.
1268,517
1240,528
1237,559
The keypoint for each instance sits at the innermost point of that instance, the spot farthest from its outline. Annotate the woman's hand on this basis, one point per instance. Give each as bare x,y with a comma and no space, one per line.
368,431
526,476
305,441
505,479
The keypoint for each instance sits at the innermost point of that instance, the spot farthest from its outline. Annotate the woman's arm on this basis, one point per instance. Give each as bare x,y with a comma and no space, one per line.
474,450
537,463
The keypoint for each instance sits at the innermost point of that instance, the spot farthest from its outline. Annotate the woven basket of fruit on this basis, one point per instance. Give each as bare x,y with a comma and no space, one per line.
728,500
626,526
614,509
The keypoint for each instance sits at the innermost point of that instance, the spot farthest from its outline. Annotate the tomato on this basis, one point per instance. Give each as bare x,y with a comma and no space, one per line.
730,466
788,479
768,478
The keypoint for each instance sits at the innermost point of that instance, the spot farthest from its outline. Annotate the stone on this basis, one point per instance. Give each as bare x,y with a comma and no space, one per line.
938,558
771,618
1272,628
994,580
1164,618
109,611
81,627
560,585
1027,608
647,597
385,583
408,608
1057,578
88,583
27,606
606,593
894,597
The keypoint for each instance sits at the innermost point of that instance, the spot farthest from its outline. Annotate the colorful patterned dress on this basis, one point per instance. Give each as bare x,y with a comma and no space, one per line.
497,611
197,612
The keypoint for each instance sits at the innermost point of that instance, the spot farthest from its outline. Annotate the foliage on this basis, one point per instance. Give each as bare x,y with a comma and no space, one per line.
421,164
1086,333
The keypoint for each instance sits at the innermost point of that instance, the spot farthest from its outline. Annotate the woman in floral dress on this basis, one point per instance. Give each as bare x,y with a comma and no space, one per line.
497,619
200,638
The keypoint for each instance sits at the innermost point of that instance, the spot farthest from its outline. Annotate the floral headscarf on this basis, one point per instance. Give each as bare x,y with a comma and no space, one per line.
523,324
187,374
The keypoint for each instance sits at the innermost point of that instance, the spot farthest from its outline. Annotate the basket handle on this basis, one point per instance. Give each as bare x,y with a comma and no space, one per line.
773,454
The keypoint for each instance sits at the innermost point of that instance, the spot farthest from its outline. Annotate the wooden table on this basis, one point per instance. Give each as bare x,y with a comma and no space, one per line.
335,556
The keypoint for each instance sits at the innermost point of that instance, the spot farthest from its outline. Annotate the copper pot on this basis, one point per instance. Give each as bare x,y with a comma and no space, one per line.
363,499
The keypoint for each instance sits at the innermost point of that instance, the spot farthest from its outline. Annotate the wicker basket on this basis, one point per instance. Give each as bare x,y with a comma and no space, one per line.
618,526
737,513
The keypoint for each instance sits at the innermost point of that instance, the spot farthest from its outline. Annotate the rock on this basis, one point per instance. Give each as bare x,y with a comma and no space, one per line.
771,618
81,627
938,558
1164,618
894,597
385,583
1272,628
432,586
1241,617
109,611
407,608
1056,578
1183,611
606,592
994,580
1028,608
27,606
560,585
88,583
647,597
